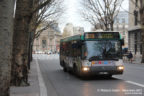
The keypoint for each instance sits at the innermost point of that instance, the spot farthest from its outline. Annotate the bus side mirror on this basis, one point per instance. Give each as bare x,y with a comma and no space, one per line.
122,41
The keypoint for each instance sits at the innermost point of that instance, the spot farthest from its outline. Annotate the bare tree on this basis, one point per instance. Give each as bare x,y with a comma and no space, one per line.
48,16
20,40
29,14
101,12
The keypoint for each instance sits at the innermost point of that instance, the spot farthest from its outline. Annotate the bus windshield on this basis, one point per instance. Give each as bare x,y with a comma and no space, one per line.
102,50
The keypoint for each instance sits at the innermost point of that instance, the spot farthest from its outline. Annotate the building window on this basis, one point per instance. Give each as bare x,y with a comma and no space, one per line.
123,27
117,20
140,48
136,3
136,17
135,42
142,3
123,20
43,43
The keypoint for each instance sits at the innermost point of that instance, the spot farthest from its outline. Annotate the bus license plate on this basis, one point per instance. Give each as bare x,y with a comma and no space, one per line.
103,73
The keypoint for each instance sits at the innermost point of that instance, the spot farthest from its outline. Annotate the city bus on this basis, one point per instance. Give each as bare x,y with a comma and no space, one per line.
92,53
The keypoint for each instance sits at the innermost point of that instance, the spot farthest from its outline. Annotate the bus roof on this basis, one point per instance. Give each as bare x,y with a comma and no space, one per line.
82,36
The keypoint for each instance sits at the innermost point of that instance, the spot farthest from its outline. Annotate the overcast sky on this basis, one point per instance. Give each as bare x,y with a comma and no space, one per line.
72,14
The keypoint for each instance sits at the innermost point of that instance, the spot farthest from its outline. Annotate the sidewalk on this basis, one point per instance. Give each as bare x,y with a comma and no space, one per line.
33,89
134,62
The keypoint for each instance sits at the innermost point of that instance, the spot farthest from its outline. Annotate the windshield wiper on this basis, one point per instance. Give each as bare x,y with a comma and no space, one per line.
97,58
94,58
115,59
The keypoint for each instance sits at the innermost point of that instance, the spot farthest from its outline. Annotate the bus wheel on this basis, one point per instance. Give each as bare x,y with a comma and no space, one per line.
64,68
75,70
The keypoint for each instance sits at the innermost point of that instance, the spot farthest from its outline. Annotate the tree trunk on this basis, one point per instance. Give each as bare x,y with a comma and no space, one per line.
111,26
31,58
34,24
21,42
6,33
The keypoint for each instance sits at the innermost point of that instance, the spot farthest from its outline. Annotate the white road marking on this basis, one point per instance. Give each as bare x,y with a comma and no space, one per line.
43,90
134,83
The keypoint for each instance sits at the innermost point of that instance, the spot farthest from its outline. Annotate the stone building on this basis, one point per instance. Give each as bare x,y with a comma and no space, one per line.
49,40
134,31
70,30
78,30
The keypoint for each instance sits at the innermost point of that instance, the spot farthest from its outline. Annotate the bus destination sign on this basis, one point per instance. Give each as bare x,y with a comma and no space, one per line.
102,35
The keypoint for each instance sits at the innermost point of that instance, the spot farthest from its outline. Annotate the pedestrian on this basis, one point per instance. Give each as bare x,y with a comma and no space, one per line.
130,56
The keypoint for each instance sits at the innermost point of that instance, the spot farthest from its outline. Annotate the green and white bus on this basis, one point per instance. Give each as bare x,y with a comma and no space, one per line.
98,53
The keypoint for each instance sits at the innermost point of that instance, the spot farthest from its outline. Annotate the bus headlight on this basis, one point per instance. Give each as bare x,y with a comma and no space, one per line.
86,63
120,67
85,69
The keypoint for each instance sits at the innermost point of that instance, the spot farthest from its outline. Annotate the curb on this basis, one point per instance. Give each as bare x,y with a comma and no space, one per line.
43,90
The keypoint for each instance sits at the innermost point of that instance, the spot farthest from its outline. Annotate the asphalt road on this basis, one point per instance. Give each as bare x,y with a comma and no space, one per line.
59,83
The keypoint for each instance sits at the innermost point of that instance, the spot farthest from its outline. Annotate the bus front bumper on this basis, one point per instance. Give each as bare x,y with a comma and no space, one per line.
102,70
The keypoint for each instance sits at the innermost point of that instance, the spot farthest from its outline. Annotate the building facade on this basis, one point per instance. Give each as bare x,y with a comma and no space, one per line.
135,32
78,30
49,40
70,30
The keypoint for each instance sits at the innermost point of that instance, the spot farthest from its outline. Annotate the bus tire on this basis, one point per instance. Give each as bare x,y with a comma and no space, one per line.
64,67
61,63
75,70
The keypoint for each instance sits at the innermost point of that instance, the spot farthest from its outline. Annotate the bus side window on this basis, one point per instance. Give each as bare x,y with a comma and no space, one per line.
79,49
84,52
61,48
70,49
67,49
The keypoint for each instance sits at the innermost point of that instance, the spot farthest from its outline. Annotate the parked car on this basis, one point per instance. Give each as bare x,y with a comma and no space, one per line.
49,52
39,52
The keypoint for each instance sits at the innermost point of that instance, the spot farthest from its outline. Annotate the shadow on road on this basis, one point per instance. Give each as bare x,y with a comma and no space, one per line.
97,78
87,78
